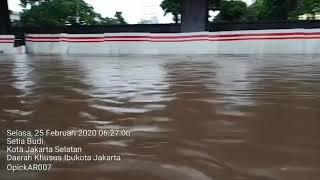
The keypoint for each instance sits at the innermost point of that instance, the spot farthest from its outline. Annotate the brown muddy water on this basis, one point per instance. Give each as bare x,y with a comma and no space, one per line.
190,117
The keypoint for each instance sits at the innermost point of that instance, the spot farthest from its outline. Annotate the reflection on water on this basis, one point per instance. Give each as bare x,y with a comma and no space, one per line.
202,117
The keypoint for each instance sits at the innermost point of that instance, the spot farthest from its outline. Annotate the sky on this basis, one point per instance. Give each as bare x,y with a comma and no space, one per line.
133,10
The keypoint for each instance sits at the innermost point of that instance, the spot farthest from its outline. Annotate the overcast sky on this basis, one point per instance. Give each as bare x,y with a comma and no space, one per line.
133,10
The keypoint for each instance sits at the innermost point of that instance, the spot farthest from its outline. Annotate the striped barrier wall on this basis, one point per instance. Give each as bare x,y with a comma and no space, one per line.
7,44
293,41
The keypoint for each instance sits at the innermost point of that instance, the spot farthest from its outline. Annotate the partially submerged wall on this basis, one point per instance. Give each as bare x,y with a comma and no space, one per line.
7,44
291,41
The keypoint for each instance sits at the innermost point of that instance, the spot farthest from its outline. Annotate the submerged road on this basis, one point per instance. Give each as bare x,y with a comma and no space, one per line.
190,117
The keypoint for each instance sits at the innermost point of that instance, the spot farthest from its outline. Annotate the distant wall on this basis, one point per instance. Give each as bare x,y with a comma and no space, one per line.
262,25
99,29
286,41
164,28
7,44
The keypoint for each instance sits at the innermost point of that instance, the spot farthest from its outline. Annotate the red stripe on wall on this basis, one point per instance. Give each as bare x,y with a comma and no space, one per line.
127,40
178,37
5,39
81,37
266,38
41,40
82,41
112,37
6,42
266,34
42,37
182,40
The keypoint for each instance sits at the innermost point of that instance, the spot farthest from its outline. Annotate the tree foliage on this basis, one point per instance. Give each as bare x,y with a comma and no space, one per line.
119,18
24,3
311,7
78,12
275,9
63,12
175,7
59,12
235,10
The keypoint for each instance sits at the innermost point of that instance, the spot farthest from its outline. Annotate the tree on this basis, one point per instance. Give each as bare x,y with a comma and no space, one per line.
311,7
64,12
275,9
59,13
119,18
24,3
234,11
175,7
251,14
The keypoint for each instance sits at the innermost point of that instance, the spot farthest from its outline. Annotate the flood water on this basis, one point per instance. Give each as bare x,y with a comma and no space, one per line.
190,117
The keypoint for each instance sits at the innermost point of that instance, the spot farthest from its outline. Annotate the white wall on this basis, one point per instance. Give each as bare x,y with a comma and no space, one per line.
124,43
7,44
45,44
261,42
287,41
